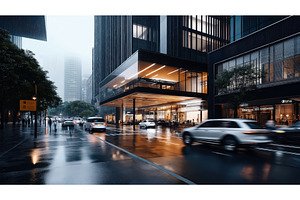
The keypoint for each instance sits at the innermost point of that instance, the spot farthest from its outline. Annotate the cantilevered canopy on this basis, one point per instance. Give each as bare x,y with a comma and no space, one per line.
146,100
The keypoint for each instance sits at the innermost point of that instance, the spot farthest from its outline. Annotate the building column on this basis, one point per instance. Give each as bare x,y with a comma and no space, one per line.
122,115
133,114
118,110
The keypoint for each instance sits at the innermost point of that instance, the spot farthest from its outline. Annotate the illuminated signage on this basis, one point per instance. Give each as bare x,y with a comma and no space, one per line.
286,101
27,105
257,109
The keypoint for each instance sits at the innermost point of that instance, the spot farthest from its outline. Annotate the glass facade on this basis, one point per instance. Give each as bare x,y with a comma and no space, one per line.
278,62
153,75
204,33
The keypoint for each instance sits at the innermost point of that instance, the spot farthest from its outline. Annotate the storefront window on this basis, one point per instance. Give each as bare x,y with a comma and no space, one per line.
284,114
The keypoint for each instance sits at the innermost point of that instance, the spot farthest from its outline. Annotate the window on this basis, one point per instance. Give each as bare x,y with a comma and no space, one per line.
278,56
288,65
253,125
211,124
264,61
229,124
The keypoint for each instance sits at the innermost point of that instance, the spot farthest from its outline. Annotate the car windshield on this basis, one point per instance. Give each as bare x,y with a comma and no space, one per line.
253,125
98,120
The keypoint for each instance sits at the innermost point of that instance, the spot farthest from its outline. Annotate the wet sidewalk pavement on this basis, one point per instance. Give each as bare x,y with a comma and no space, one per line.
69,156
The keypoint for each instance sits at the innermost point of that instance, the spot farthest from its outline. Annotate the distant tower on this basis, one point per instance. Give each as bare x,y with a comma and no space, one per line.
72,86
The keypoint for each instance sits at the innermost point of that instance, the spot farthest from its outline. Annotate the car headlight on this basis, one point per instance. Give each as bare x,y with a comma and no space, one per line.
279,131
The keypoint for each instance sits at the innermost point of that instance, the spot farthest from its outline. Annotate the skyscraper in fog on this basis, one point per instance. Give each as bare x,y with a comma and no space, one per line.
72,86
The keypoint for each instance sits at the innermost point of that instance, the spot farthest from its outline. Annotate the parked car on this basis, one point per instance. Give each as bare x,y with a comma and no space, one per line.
147,124
230,133
68,122
290,134
95,123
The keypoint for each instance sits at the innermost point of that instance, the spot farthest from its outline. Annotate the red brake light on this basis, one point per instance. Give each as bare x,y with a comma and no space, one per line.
93,124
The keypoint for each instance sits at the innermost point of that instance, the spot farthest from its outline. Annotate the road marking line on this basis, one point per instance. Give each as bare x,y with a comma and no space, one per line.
150,163
12,148
223,154
285,152
281,145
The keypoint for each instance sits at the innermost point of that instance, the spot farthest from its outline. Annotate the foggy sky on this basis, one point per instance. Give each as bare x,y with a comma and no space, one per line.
66,35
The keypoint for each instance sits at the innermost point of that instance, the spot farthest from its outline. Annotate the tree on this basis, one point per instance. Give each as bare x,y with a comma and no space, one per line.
75,108
19,71
236,83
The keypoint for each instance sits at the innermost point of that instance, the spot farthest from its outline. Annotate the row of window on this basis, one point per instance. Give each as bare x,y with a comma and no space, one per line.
278,62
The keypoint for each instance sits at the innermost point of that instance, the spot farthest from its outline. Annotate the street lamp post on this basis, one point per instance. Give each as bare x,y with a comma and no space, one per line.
35,115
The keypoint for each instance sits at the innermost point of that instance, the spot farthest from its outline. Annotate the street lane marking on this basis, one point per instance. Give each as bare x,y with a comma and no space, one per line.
281,145
272,150
150,163
12,148
223,154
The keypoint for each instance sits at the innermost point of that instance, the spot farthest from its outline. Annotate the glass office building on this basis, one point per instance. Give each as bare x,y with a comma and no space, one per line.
274,52
168,64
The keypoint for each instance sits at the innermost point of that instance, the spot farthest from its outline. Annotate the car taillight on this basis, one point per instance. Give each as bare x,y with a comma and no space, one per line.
255,132
104,123
74,122
93,124
64,122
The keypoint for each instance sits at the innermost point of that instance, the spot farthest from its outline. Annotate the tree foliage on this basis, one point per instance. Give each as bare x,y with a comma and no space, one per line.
75,109
236,83
19,71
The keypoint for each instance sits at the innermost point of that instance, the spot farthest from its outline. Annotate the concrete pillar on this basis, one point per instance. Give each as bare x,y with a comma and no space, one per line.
133,114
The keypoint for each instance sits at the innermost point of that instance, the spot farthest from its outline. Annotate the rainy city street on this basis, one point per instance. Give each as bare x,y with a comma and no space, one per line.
143,156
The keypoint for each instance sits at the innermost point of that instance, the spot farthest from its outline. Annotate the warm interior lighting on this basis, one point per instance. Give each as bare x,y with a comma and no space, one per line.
115,85
173,71
142,71
155,70
184,71
123,81
34,98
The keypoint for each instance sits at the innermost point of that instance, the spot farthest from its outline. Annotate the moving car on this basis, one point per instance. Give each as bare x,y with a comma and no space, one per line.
147,124
290,134
95,123
230,133
68,122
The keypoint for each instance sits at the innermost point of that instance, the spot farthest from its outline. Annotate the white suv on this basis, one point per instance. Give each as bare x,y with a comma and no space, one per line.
95,123
230,133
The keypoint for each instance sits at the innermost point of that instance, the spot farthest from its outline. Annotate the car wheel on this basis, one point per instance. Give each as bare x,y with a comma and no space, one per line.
230,143
187,139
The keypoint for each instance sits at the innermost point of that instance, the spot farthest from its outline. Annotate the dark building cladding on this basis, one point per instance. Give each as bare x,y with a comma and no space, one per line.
274,49
33,27
187,37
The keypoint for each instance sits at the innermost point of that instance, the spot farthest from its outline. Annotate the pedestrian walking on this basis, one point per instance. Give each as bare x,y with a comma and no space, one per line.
55,123
49,123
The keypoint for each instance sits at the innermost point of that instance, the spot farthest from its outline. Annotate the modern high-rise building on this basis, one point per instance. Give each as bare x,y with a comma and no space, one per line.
273,51
33,27
72,79
154,66
86,88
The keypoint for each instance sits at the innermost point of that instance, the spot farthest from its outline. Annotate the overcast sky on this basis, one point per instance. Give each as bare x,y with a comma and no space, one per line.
66,35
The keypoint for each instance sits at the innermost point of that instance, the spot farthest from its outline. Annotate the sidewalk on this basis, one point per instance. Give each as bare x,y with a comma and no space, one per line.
69,157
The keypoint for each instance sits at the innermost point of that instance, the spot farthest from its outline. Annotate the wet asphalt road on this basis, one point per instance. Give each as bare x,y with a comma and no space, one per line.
146,156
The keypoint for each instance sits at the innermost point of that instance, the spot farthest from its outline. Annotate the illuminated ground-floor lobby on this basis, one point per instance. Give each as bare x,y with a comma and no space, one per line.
163,109
155,86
